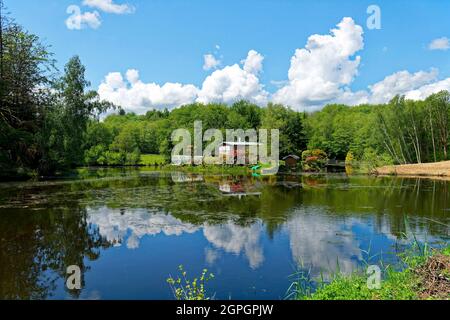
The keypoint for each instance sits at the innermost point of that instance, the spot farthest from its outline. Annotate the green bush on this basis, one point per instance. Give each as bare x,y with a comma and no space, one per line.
314,160
100,156
115,158
95,156
349,159
133,158
371,159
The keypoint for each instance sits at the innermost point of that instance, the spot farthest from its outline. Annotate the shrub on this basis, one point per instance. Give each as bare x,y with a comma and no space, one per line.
132,159
314,160
115,158
95,155
349,159
185,289
371,159
99,155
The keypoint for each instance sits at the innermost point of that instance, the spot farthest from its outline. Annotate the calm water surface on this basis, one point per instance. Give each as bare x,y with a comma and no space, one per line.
129,229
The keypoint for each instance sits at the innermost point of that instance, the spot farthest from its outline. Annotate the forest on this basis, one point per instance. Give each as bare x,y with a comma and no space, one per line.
52,121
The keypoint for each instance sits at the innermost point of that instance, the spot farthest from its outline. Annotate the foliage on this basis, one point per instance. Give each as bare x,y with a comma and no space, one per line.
151,133
406,280
371,160
211,169
152,160
185,289
396,286
50,124
406,284
338,129
62,137
314,160
446,251
26,71
291,125
349,159
405,130
96,155
43,118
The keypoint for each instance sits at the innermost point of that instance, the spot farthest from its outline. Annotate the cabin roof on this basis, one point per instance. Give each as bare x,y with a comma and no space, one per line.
293,156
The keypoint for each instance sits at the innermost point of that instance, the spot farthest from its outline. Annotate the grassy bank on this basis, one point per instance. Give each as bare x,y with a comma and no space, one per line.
436,169
159,162
152,159
425,275
209,169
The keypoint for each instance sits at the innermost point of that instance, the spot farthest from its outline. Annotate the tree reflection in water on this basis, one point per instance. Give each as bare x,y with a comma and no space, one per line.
45,227
37,247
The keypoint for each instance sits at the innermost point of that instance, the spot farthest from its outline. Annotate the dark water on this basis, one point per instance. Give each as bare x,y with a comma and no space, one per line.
128,230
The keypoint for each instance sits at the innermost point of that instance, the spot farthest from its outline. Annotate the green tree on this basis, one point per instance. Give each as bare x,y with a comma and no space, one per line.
26,68
438,110
128,138
67,119
290,124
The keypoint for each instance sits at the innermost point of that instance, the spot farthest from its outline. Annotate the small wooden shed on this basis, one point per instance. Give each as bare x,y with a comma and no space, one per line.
291,160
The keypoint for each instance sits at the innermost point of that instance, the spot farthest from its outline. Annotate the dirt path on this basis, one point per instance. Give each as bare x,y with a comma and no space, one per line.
437,169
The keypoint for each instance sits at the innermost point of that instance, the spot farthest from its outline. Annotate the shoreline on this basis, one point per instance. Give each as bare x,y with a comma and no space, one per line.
431,170
424,277
436,170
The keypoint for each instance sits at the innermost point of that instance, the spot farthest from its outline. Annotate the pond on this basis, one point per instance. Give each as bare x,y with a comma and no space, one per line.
128,230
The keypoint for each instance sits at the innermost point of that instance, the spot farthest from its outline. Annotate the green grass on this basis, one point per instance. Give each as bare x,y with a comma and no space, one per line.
152,159
396,285
211,169
155,159
446,251
219,169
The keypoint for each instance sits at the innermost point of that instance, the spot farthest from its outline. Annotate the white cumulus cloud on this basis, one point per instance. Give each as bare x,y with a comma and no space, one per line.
210,62
134,95
322,70
109,6
253,63
400,83
78,20
415,86
427,90
320,73
227,85
440,44
234,83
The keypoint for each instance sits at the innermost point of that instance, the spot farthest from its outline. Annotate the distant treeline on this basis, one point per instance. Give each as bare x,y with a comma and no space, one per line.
402,131
49,122
128,133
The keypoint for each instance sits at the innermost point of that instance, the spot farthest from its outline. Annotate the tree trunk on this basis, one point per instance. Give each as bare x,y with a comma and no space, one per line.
432,136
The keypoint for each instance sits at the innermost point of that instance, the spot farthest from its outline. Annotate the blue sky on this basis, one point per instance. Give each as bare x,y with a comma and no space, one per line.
166,40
